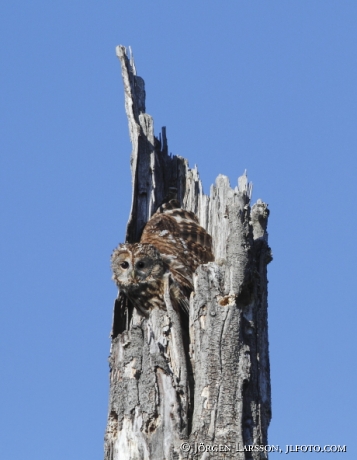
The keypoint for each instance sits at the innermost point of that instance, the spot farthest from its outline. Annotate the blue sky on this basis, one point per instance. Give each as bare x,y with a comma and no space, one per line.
267,86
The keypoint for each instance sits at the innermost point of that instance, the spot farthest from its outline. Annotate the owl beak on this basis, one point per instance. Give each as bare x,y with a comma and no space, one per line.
132,274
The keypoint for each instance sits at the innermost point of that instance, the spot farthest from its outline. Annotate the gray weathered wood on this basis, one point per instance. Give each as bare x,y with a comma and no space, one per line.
208,381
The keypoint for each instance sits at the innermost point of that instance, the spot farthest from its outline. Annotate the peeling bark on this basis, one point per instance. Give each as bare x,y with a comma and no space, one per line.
207,382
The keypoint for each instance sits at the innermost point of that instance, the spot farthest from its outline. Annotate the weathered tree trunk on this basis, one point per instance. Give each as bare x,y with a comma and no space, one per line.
203,392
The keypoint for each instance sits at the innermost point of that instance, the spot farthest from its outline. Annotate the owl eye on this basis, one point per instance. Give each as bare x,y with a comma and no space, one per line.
124,265
140,265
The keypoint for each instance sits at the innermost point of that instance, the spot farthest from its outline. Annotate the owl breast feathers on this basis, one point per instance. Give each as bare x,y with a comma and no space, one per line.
172,243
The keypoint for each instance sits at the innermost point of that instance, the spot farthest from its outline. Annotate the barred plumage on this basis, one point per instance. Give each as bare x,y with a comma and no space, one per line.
172,241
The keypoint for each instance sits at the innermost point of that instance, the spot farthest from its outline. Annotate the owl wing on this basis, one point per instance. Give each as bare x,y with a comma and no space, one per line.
181,241
179,296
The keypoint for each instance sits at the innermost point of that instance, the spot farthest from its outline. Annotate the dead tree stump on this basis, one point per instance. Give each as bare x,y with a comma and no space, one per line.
203,392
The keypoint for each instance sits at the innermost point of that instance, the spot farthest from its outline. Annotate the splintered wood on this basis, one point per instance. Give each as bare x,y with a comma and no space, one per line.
197,387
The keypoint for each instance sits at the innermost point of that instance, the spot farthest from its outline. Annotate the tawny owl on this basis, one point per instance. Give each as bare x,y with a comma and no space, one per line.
172,243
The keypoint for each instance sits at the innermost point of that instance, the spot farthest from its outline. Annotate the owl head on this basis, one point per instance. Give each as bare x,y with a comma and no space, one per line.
136,266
